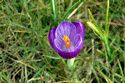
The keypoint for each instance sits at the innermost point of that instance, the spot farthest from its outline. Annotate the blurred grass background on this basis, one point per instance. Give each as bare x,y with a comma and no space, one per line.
27,57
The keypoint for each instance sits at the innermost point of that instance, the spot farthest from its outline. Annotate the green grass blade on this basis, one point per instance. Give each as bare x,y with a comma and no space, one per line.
70,9
104,76
95,29
107,18
123,77
74,11
54,9
92,17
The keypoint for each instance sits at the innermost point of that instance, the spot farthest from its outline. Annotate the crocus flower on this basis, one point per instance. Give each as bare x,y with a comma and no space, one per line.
67,39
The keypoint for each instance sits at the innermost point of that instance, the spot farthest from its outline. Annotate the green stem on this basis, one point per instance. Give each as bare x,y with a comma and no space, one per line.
70,63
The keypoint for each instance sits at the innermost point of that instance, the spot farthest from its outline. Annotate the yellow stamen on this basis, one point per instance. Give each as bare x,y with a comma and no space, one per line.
66,41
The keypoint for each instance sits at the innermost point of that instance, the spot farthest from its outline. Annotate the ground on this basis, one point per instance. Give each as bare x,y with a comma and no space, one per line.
27,57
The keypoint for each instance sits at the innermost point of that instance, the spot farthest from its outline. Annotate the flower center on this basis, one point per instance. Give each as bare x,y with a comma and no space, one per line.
67,41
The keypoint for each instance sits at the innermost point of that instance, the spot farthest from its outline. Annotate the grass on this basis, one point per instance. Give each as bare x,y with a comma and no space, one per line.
27,57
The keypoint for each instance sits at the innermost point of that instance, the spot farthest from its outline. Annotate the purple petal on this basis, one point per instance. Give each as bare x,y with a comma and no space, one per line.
80,28
65,28
77,40
68,54
59,44
61,47
51,37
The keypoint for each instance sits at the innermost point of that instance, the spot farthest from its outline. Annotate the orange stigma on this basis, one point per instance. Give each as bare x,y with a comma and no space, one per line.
66,41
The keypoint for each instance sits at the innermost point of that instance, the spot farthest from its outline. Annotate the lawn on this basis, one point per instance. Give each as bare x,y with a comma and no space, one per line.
26,55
